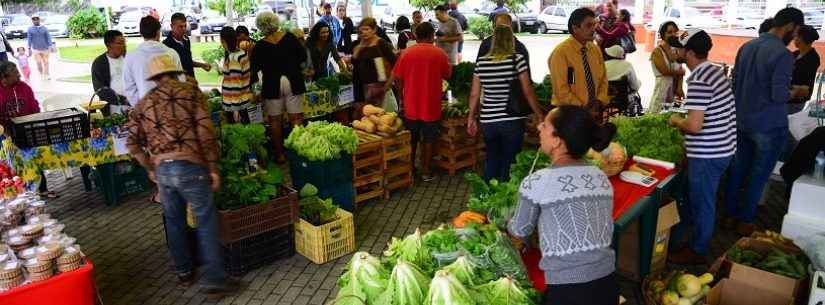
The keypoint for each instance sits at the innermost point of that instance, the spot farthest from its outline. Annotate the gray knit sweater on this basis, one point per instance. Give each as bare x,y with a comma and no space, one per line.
572,206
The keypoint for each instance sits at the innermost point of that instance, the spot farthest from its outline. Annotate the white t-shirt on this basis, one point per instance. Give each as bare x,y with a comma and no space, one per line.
116,74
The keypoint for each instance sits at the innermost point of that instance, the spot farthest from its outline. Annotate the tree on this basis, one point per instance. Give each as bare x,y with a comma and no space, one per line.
86,23
427,5
242,7
74,5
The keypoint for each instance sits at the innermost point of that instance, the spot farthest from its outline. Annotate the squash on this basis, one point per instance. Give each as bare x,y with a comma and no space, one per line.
375,119
388,118
398,124
365,125
370,110
386,129
467,217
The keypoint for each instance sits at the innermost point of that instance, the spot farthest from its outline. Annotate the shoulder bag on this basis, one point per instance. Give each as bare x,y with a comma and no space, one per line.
517,103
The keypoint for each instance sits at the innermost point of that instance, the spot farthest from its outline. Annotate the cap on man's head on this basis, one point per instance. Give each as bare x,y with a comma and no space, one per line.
162,64
616,51
327,6
692,39
35,17
442,8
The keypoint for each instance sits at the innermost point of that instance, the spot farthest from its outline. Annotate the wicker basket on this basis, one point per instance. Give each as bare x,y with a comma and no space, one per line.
321,244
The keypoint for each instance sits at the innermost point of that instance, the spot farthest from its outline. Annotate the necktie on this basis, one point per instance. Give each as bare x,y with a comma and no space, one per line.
588,76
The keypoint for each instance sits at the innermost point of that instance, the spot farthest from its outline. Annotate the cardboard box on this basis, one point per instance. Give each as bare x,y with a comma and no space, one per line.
779,284
731,292
628,256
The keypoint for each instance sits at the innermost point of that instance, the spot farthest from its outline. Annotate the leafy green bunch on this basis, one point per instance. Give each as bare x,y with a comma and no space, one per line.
115,119
650,136
454,110
315,210
544,90
319,141
461,80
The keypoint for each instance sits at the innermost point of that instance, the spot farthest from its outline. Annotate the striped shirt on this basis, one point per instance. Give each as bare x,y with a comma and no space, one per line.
236,87
708,90
495,79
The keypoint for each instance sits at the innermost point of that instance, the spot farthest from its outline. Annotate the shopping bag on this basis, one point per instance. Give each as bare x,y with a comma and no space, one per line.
390,103
801,123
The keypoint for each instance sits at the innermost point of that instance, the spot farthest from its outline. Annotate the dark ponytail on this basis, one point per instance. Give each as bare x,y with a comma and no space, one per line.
229,35
579,131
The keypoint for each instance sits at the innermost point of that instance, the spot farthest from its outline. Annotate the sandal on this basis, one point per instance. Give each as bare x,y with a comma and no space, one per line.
49,194
156,198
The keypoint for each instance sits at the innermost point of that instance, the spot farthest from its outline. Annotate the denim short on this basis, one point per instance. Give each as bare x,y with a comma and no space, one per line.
427,130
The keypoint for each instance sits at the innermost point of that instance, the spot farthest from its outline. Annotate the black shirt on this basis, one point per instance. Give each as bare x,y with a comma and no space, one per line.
184,50
347,29
462,21
804,72
276,60
487,44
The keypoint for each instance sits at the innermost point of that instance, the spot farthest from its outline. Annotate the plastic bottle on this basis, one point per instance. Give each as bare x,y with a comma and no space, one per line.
819,166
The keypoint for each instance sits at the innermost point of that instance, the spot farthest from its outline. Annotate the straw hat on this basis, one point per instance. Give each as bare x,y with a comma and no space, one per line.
161,64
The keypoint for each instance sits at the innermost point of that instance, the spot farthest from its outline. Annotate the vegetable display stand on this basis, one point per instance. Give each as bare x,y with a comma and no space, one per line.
235,225
262,249
397,162
368,167
120,179
454,128
320,173
321,244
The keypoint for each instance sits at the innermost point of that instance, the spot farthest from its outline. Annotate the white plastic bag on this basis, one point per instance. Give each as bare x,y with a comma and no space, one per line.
390,103
801,124
814,247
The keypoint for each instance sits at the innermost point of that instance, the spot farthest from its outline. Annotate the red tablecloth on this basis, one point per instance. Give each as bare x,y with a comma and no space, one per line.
71,288
625,194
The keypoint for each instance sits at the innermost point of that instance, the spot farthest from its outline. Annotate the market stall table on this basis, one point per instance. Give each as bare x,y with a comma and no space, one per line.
96,150
71,288
630,202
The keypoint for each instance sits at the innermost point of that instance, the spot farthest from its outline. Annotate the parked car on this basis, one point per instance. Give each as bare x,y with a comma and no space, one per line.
746,18
529,21
392,12
130,23
211,22
487,7
56,24
166,24
18,27
687,18
814,17
555,18
43,15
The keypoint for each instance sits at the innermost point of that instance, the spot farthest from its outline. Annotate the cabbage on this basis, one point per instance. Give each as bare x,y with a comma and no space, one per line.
504,291
363,282
411,249
407,286
445,289
463,269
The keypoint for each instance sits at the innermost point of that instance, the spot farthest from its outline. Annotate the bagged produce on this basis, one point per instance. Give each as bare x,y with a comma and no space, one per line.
407,286
411,249
443,244
445,289
814,247
506,259
363,282
505,291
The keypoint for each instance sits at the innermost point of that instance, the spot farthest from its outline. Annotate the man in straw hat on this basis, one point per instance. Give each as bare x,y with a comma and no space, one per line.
171,135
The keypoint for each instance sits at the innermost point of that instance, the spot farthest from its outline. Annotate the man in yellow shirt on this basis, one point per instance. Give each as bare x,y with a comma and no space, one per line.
577,65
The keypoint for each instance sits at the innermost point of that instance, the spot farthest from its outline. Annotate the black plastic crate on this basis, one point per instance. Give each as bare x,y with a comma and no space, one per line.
262,249
51,127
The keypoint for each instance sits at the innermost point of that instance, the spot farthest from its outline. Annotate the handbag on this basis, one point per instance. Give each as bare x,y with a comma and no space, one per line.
628,43
517,103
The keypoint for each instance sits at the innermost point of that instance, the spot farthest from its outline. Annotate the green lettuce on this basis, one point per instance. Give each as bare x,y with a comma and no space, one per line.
464,270
504,291
445,289
407,286
363,282
411,249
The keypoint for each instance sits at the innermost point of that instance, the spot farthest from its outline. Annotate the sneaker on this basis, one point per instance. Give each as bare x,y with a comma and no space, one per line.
229,288
686,256
427,177
186,280
746,229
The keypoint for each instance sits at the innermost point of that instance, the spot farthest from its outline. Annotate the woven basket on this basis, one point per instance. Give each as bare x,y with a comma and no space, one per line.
609,167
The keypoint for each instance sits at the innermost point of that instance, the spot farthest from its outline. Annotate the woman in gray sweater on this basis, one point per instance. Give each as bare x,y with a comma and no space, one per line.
571,202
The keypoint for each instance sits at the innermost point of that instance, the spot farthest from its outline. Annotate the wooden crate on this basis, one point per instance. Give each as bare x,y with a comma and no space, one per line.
398,175
454,159
321,244
367,161
455,128
397,147
370,187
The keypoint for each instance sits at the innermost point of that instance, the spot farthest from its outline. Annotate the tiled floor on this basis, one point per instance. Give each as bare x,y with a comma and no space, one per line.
126,243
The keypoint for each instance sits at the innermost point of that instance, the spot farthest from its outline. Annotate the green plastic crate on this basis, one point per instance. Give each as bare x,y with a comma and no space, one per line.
120,179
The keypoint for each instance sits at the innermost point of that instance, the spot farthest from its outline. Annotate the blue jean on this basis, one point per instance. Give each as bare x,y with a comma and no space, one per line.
180,182
704,176
756,156
503,141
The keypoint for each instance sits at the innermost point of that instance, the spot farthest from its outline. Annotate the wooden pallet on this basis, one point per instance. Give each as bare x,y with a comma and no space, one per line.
397,148
454,160
368,157
398,175
369,187
455,128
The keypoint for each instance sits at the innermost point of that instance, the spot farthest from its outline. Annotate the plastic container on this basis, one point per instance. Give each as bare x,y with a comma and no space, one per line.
446,258
51,127
321,174
817,289
321,244
795,226
113,186
235,225
263,249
